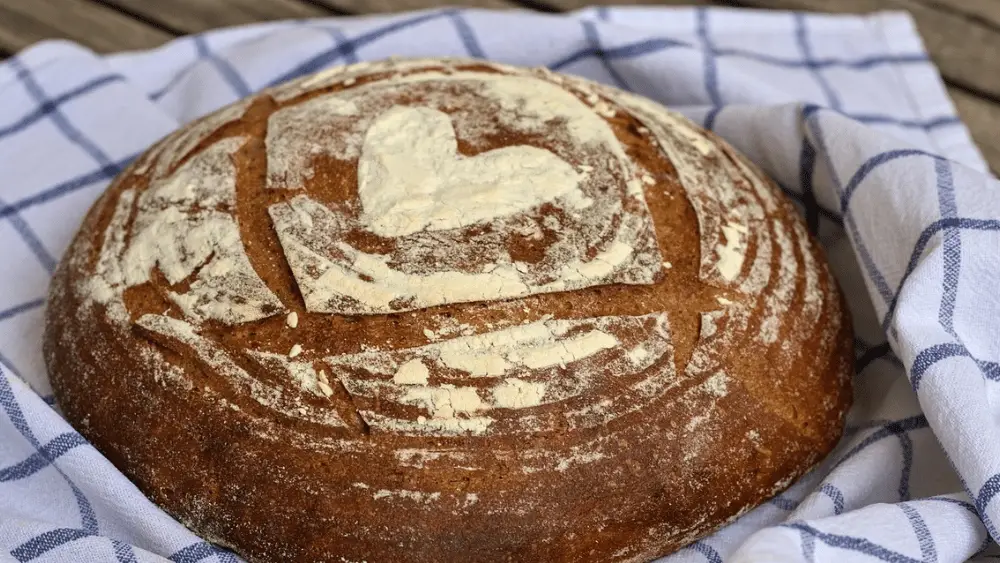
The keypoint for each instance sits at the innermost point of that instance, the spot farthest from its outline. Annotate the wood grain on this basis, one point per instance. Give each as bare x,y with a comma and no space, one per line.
23,22
985,11
962,36
567,5
982,117
386,6
195,16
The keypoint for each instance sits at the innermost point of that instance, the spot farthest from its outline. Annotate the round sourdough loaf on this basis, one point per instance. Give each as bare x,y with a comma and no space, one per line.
449,310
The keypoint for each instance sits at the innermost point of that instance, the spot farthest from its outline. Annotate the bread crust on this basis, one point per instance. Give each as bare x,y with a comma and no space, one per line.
699,392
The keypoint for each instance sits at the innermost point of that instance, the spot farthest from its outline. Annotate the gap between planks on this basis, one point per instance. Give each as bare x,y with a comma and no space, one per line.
196,16
24,22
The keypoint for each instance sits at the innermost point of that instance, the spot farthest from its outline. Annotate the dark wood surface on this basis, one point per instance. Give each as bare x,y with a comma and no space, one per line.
963,36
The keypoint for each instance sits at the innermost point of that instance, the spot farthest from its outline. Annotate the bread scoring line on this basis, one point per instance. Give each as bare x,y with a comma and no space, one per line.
630,255
727,238
509,358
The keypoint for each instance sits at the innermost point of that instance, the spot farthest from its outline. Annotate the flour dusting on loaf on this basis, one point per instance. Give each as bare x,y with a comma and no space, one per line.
532,365
444,309
576,197
183,226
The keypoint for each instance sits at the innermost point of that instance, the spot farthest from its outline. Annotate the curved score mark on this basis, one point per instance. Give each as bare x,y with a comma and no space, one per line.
257,232
335,277
530,378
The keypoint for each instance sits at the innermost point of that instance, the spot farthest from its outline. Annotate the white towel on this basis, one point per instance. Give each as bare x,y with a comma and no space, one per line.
847,113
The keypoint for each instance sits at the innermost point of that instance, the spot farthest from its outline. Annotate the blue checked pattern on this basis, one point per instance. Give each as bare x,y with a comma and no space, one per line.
846,113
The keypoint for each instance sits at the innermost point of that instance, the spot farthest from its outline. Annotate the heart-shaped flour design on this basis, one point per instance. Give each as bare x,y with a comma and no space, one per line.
412,178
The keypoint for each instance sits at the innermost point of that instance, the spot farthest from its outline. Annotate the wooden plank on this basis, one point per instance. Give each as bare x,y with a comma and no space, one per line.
195,16
385,6
568,5
982,117
23,22
984,11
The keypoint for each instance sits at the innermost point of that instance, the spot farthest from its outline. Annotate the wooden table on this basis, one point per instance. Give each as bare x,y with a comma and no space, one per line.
963,36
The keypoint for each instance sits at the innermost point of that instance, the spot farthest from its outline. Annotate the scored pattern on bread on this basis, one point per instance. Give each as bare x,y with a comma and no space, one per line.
183,226
494,375
451,309
434,207
182,338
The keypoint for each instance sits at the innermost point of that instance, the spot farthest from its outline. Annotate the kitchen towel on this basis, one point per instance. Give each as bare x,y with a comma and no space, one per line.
847,113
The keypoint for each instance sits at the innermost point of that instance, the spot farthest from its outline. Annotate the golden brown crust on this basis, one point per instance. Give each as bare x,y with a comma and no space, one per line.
747,391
